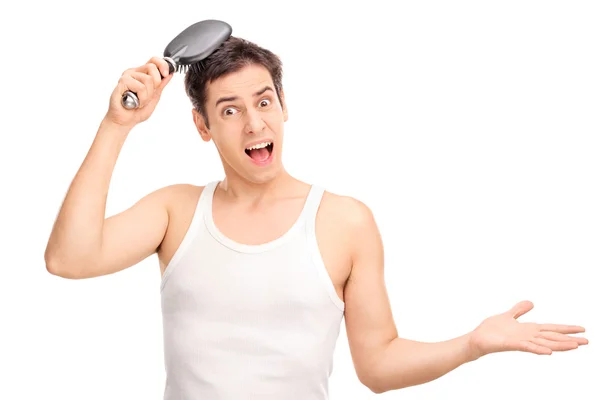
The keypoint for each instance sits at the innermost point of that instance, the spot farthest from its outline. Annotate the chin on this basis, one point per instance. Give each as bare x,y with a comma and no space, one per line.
262,176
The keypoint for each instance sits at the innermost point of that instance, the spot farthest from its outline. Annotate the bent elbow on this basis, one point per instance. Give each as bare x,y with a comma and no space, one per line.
63,269
377,389
58,269
372,383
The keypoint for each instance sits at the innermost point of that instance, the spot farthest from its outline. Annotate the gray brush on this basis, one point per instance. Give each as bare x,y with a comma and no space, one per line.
191,46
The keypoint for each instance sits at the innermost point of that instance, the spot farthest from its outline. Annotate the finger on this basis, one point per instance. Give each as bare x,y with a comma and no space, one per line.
559,337
148,83
161,65
562,328
152,70
555,346
534,348
128,71
146,79
520,308
132,84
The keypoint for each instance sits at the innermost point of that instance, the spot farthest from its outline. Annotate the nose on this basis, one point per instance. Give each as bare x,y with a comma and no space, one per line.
254,122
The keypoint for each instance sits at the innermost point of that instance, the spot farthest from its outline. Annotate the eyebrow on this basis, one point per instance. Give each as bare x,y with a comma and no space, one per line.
232,98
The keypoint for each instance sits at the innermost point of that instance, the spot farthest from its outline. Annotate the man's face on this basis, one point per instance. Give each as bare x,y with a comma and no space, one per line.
246,123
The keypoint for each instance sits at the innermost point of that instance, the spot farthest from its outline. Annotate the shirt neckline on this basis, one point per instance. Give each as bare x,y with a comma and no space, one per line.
251,248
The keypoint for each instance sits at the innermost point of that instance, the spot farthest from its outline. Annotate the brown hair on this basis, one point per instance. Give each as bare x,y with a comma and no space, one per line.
233,55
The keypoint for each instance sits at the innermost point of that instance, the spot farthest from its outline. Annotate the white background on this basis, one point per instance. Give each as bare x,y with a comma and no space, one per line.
470,128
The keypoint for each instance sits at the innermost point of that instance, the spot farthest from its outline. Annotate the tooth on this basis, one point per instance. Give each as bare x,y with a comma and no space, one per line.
259,146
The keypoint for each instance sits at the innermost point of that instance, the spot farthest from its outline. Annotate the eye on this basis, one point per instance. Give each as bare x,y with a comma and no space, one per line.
264,102
229,111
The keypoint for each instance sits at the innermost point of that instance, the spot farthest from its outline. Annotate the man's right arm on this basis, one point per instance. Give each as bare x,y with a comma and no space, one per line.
84,243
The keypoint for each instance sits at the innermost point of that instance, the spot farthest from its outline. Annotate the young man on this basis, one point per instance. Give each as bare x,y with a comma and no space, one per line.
258,269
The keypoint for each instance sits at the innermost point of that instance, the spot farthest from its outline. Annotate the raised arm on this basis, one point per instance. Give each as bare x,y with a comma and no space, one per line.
83,242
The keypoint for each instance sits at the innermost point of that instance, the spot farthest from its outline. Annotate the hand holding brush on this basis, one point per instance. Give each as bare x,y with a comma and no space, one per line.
139,89
147,82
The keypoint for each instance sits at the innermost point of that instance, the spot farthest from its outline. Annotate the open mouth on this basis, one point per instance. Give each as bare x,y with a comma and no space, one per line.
260,152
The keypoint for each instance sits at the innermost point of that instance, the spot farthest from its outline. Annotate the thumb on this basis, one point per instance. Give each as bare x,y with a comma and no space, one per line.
520,308
164,82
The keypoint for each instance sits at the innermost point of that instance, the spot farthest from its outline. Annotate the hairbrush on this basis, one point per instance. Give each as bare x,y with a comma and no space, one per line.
192,45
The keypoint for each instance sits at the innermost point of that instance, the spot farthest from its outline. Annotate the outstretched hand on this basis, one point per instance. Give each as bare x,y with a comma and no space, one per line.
503,332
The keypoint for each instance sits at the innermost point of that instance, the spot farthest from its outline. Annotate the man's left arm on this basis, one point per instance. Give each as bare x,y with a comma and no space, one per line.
384,361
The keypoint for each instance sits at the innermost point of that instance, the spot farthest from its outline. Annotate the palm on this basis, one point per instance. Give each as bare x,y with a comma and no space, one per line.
503,332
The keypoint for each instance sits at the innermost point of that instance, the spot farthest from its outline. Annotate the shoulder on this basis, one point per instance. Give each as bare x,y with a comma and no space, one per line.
350,225
177,193
357,232
175,198
347,219
350,212
179,189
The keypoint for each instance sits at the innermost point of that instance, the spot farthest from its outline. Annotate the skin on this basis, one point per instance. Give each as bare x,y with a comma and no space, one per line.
85,244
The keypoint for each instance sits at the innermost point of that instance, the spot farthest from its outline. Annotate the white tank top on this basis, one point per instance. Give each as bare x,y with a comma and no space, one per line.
249,321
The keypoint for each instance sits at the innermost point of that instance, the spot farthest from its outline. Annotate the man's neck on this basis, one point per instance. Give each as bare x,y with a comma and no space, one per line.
238,189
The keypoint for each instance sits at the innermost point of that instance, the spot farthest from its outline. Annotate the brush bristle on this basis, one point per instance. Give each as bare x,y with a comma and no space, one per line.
183,68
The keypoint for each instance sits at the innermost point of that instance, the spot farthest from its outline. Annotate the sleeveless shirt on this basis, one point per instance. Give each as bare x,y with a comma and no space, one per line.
249,321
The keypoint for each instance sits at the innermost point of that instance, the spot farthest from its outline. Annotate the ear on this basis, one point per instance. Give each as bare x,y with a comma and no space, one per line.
201,125
284,106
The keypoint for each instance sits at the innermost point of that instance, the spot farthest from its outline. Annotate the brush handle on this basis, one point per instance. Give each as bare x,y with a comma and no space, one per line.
130,101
